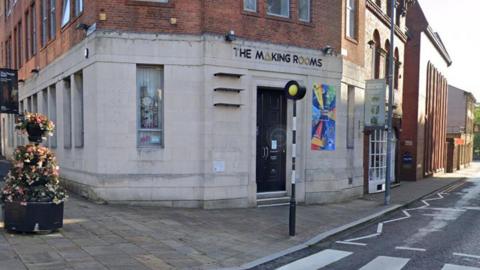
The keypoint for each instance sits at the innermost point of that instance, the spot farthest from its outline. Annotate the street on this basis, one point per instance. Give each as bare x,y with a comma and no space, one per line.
439,232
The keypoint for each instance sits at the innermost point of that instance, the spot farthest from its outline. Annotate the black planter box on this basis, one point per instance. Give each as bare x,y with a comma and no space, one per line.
33,216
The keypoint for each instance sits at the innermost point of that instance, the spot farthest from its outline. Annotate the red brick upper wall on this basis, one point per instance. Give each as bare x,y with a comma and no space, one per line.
213,16
193,17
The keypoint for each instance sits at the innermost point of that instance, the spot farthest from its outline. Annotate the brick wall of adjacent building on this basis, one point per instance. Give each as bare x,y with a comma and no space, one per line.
424,99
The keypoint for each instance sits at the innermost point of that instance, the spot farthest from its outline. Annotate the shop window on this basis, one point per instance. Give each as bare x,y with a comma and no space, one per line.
278,8
65,12
78,110
250,5
304,10
351,117
67,113
52,114
150,106
351,24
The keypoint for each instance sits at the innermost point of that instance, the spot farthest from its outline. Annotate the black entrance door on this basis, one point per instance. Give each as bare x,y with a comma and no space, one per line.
271,140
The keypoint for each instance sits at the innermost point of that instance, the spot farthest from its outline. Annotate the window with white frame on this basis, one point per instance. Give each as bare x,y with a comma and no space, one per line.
304,10
65,12
351,24
150,106
250,5
278,8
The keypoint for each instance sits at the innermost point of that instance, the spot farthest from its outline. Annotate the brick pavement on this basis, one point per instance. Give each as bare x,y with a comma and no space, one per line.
133,237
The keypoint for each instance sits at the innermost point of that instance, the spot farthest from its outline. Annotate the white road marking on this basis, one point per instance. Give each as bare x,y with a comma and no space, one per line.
386,263
411,248
471,208
351,243
362,237
458,267
466,255
317,261
440,195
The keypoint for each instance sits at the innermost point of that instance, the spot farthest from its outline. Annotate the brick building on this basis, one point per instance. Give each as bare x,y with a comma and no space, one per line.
423,137
179,102
460,128
377,36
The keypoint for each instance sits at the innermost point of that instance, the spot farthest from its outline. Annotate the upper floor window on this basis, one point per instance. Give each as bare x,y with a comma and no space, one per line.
53,17
351,25
78,7
44,15
250,5
304,10
379,3
278,8
65,12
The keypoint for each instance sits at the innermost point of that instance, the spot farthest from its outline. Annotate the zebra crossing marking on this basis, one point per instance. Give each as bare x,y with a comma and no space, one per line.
386,263
458,267
317,260
329,256
411,248
466,255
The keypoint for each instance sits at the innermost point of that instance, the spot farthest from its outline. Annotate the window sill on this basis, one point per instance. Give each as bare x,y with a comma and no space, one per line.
305,23
50,41
170,4
352,40
72,21
250,13
278,18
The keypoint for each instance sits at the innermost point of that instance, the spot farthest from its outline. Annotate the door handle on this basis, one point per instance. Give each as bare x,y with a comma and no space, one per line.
268,152
264,153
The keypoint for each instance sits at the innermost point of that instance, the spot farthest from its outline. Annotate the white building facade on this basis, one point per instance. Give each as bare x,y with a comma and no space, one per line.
195,121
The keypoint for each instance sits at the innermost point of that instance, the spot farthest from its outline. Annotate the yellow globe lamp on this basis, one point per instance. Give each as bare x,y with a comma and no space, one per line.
293,90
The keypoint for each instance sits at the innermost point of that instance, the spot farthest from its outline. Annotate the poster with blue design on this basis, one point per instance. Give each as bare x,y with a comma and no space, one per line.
323,118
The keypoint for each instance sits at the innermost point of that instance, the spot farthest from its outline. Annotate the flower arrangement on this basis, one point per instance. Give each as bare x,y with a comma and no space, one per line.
34,177
31,121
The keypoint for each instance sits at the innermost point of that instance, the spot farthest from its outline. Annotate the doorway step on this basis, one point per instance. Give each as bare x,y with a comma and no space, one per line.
275,198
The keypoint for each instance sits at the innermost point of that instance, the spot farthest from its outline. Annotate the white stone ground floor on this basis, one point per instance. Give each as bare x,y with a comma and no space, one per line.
174,120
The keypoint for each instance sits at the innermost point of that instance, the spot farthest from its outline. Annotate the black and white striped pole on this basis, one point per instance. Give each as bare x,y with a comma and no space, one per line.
294,91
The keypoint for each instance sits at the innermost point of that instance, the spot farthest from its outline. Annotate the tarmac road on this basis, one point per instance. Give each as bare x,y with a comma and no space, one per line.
440,232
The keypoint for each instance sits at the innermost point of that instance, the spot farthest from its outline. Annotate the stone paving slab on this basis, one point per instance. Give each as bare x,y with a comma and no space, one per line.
133,237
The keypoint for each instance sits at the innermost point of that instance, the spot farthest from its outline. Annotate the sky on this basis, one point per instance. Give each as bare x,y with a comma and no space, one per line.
457,23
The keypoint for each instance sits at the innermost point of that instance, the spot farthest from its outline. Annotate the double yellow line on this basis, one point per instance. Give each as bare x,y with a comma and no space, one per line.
453,187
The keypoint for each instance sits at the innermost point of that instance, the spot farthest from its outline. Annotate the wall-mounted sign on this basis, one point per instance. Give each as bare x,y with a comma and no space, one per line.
278,57
323,117
8,91
375,94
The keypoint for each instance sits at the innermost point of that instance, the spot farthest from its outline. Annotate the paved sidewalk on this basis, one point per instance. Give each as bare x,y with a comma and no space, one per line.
131,237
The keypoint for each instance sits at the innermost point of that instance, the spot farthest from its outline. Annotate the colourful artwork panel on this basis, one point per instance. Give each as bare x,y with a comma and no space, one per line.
323,117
